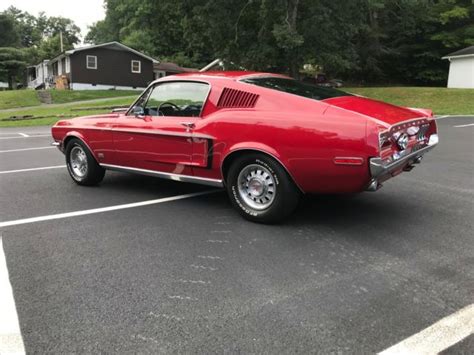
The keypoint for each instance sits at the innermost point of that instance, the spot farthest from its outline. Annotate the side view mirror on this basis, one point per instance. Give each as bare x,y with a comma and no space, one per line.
138,111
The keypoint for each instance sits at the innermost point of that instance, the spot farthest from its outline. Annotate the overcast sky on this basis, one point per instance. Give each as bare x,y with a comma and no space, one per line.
83,12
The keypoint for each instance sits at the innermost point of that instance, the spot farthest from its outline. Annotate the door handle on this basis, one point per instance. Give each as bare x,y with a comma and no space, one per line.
189,125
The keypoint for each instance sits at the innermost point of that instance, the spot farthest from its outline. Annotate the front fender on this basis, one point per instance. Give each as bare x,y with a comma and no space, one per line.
80,136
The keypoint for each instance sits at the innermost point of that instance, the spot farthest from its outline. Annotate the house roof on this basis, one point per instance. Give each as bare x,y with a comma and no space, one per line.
112,45
466,52
172,67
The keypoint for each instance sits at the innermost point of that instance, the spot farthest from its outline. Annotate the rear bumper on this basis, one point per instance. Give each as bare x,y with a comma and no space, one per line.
381,171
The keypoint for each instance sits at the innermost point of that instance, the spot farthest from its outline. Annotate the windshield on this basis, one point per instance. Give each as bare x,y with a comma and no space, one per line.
295,87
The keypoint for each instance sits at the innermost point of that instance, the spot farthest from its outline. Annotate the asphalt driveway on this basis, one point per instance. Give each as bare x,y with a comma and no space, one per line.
345,274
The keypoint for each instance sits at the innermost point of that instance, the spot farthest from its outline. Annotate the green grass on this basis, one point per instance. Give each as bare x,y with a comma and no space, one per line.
63,96
18,98
442,101
25,98
53,114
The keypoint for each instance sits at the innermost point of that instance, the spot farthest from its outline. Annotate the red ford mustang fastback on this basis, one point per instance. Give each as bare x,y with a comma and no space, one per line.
266,138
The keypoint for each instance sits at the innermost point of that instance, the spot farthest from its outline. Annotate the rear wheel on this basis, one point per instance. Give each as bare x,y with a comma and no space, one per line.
82,165
261,189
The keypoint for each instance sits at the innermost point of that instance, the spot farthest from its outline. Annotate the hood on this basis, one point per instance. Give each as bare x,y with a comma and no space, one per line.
382,111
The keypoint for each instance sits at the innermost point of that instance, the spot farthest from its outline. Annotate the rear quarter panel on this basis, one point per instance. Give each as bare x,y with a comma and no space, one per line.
304,135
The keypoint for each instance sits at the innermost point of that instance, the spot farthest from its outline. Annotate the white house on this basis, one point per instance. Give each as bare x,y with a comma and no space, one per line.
461,68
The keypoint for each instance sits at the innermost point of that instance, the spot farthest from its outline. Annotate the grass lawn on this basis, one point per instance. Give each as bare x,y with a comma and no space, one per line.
63,96
53,114
18,98
442,101
25,98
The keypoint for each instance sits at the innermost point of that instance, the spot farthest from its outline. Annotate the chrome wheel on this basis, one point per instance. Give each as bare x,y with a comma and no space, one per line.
78,161
256,186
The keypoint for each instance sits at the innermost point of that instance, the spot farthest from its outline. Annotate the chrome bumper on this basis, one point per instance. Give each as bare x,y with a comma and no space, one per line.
380,170
58,145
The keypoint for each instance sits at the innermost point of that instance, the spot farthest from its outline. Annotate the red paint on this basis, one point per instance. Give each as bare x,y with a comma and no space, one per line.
324,145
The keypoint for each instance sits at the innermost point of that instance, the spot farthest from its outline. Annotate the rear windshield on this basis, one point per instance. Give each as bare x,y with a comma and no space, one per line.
295,87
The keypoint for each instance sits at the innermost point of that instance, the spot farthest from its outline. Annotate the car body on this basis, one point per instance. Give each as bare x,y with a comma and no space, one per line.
325,140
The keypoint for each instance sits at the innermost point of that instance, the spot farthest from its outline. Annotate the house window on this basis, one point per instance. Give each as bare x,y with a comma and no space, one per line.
91,62
136,66
68,65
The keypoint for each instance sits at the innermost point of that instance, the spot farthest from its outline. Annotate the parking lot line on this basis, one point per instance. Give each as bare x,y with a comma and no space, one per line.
23,134
22,137
11,341
23,149
32,169
439,336
464,125
104,209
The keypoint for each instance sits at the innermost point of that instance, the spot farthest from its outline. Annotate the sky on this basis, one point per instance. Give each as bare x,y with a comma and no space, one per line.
83,12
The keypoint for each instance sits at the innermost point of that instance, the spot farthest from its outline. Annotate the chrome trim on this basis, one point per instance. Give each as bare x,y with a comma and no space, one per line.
422,118
156,83
145,131
163,175
379,169
159,132
120,109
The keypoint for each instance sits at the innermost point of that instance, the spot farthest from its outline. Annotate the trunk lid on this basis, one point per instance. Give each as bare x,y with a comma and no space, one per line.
382,111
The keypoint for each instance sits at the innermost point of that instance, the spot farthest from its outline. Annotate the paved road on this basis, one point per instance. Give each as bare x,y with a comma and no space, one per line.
346,274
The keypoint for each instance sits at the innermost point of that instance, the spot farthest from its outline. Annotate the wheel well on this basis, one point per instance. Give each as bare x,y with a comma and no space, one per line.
69,138
66,141
229,159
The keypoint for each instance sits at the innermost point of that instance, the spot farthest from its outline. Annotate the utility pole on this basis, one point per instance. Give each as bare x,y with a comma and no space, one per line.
61,40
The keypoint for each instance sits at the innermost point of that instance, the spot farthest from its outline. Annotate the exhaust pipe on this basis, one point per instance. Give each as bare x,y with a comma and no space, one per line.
374,185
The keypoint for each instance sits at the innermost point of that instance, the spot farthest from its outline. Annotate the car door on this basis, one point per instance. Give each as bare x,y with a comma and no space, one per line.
157,132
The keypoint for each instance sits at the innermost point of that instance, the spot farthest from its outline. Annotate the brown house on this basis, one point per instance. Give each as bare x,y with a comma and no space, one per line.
104,66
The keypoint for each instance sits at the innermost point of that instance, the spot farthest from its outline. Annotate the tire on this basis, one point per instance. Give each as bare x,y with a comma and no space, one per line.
81,164
261,189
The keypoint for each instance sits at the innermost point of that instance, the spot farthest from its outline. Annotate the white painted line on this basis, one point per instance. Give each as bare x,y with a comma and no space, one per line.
446,116
23,149
32,169
11,341
22,137
464,125
103,209
15,133
439,336
23,134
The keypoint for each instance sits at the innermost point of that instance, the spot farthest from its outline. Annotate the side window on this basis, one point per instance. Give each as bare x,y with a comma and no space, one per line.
91,62
179,98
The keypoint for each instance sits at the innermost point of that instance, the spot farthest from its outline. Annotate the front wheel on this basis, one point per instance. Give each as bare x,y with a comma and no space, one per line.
82,165
261,189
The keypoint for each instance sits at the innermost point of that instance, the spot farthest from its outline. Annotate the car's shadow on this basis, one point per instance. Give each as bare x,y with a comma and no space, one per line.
380,208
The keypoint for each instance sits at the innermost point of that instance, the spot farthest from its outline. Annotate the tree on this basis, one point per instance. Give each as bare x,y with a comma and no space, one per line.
370,41
12,65
9,37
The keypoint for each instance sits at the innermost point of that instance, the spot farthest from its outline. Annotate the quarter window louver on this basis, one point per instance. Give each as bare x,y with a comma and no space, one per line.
232,98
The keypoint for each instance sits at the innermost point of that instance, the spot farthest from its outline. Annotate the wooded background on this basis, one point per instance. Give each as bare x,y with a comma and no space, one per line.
361,41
